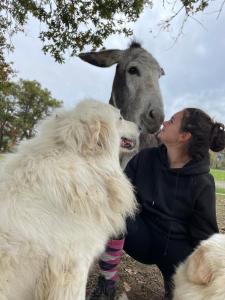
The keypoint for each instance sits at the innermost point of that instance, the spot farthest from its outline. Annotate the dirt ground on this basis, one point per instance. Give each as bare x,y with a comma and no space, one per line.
141,282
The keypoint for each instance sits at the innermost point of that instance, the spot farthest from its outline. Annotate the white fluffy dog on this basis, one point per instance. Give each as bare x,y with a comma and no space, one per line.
62,195
202,275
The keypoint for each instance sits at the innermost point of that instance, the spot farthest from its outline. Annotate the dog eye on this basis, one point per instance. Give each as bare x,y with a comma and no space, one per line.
121,118
134,71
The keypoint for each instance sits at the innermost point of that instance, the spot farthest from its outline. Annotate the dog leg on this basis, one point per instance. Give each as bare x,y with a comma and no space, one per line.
62,280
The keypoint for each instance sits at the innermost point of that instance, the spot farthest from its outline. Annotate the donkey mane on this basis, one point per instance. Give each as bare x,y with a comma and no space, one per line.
135,44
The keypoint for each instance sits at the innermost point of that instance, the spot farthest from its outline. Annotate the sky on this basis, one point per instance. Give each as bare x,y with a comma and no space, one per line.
194,64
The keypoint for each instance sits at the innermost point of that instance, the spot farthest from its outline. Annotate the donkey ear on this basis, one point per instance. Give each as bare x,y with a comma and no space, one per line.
105,58
199,269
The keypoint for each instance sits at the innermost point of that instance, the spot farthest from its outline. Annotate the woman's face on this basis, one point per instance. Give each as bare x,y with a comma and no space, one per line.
171,130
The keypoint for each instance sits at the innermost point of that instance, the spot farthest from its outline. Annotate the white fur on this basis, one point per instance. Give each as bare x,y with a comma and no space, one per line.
202,275
62,195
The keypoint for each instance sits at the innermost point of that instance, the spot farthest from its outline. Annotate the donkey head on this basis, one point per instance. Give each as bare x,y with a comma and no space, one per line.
135,88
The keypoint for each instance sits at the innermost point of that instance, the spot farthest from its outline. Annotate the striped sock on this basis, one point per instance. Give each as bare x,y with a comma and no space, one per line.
110,260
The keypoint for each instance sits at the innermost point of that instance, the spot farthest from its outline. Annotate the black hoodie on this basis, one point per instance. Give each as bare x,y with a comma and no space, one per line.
179,202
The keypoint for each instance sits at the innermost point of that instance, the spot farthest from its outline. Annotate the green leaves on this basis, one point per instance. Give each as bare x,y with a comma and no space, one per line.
71,24
194,6
22,105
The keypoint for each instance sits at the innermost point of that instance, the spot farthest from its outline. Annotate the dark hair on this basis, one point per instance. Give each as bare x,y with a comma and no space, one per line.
206,134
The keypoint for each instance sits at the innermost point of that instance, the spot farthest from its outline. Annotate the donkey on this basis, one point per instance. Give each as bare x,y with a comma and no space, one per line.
135,90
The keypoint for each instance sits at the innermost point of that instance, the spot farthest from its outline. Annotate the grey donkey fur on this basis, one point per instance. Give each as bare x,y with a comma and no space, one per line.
135,90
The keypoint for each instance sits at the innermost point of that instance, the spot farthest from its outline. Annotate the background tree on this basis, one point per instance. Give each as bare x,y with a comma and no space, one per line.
22,105
6,71
72,24
8,126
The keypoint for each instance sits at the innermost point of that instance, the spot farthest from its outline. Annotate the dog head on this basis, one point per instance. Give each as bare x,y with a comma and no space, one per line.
202,275
94,128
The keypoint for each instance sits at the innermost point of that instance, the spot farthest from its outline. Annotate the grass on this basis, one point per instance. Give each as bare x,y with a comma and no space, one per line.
219,175
220,191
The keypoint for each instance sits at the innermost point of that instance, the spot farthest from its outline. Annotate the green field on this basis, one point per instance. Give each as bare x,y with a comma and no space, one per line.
219,175
220,191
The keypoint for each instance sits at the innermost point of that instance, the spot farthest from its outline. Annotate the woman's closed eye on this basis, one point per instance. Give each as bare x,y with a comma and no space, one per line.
171,120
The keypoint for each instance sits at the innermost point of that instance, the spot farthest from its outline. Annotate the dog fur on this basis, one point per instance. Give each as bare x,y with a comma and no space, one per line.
202,275
62,196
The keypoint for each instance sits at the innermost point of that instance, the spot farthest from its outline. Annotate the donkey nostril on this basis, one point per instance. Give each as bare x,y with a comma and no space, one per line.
151,114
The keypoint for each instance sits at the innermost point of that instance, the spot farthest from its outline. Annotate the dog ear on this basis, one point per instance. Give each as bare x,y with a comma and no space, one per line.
103,140
199,269
85,136
97,137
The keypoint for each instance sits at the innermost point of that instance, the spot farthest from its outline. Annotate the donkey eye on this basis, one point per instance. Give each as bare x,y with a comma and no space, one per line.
134,71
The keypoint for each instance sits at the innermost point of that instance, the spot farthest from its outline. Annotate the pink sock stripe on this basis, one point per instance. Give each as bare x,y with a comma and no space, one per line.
116,253
116,244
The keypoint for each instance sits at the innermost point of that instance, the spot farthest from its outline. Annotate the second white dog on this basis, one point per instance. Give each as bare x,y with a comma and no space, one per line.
62,196
202,275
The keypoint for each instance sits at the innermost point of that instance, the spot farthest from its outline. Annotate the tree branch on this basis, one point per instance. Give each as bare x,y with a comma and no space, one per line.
220,10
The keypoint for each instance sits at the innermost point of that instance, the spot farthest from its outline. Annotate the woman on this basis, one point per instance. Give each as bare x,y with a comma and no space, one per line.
176,194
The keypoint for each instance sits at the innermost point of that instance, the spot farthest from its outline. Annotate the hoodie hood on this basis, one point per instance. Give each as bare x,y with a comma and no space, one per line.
191,168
